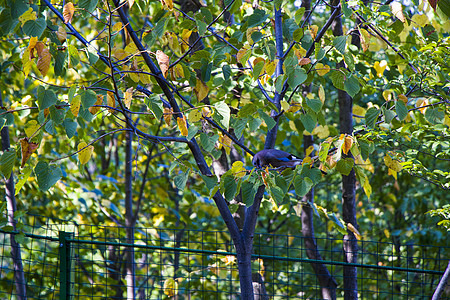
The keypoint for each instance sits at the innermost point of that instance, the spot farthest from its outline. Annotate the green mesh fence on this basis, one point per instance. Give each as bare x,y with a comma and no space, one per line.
88,262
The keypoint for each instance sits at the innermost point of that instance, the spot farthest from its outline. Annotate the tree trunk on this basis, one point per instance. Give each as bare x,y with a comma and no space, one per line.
11,206
350,245
129,222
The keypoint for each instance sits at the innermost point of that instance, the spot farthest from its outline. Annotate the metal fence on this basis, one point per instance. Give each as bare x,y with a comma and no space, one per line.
87,262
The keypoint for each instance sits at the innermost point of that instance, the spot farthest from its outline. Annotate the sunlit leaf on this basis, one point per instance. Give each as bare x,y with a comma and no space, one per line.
85,152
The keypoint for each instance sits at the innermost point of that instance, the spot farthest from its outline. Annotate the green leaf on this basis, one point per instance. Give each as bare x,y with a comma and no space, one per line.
434,115
23,177
258,17
226,71
88,5
401,109
57,114
323,152
314,104
248,193
34,27
351,86
338,224
248,109
339,43
223,109
47,175
297,77
267,119
207,141
201,27
160,27
298,34
257,69
180,180
302,185
388,115
229,188
349,61
210,181
239,127
277,194
7,161
299,15
256,36
71,127
88,98
345,166
308,122
46,98
371,117
192,131
338,79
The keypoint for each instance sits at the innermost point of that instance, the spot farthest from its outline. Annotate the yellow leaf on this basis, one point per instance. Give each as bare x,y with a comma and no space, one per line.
284,105
68,12
367,187
28,148
117,27
163,62
85,152
379,67
30,14
322,69
128,97
321,131
201,90
168,115
397,10
167,4
177,71
354,230
295,106
393,173
270,67
225,141
119,53
93,109
348,142
321,93
26,62
182,125
314,29
420,20
194,116
393,164
31,128
422,102
130,3
447,120
403,98
43,63
364,38
300,52
61,34
358,110
75,105
110,100
387,233
387,95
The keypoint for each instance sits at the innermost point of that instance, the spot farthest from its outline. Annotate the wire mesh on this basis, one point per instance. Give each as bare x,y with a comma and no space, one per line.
194,264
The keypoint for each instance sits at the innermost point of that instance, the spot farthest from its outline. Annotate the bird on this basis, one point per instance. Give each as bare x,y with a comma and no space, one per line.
275,158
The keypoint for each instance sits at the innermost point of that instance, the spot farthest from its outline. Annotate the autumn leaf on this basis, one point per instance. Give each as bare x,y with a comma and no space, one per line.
94,109
43,63
75,105
321,93
322,69
28,15
304,61
31,128
85,152
354,230
168,115
201,90
110,100
68,12
270,67
182,125
170,287
163,62
348,142
167,4
128,97
61,34
28,148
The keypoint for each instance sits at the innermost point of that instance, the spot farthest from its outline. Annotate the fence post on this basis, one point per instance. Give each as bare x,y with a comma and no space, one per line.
65,266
